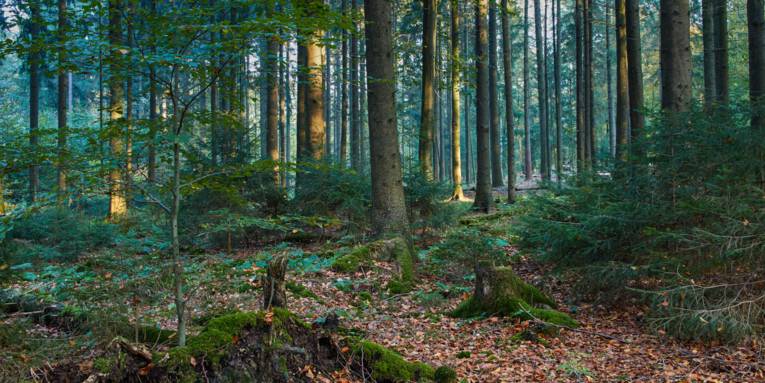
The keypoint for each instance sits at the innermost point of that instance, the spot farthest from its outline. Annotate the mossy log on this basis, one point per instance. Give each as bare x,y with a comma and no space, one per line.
499,291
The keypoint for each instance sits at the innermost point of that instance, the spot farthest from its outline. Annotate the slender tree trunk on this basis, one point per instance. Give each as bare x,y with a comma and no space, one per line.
282,116
457,194
314,103
589,93
611,119
558,108
288,98
528,163
541,89
272,106
344,97
622,80
129,112
496,147
708,35
327,97
117,198
355,108
581,159
63,87
427,121
507,64
635,73
301,118
34,98
483,193
153,114
721,51
388,204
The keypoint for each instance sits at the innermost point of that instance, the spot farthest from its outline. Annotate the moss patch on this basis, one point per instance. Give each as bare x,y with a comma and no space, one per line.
353,261
302,291
386,365
445,374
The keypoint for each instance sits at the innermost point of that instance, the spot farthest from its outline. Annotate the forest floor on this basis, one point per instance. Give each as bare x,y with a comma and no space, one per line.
612,345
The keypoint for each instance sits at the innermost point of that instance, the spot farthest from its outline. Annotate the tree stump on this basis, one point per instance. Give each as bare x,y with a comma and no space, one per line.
274,285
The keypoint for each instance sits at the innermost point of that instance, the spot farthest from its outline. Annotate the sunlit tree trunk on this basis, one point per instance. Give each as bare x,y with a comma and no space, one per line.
117,198
272,103
622,92
457,193
388,204
282,116
314,103
483,195
507,64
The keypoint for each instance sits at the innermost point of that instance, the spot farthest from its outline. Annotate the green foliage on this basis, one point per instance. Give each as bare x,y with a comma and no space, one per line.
467,245
689,208
386,365
353,260
445,374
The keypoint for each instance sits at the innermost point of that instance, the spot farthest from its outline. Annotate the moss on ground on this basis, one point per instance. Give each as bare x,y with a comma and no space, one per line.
445,374
353,261
302,291
385,365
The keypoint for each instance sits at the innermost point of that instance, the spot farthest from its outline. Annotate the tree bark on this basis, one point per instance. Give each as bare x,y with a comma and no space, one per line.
483,194
756,27
542,90
721,51
507,63
528,164
708,36
272,102
388,204
558,108
117,198
611,119
344,96
457,193
34,97
314,107
622,80
675,56
355,105
427,121
63,88
635,74
496,147
581,159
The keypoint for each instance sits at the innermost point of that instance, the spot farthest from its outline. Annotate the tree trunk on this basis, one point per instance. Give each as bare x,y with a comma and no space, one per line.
507,63
622,92
272,102
756,21
388,204
558,108
274,284
635,74
355,108
457,193
427,121
708,35
589,78
151,166
483,194
527,150
117,198
541,89
282,117
344,96
675,56
496,148
63,87
34,97
581,159
314,106
721,51
611,119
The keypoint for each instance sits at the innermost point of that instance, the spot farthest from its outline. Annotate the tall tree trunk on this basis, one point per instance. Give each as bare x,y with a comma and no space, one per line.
507,64
355,108
63,88
457,194
427,121
755,11
496,148
327,97
302,81
288,98
388,204
282,116
314,102
151,166
117,198
483,193
34,97
558,108
635,74
272,102
611,119
344,96
622,92
541,89
129,112
708,35
721,51
581,157
675,56
528,164
589,77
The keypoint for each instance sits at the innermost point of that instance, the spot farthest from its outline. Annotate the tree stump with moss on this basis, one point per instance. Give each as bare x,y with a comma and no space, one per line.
393,249
499,291
274,285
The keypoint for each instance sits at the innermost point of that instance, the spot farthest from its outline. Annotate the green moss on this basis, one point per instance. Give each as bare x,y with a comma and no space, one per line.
351,262
463,355
365,296
445,374
104,365
512,307
398,286
302,291
386,365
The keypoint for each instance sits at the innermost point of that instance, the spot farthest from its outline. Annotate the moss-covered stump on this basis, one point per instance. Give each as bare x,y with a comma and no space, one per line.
499,291
268,347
